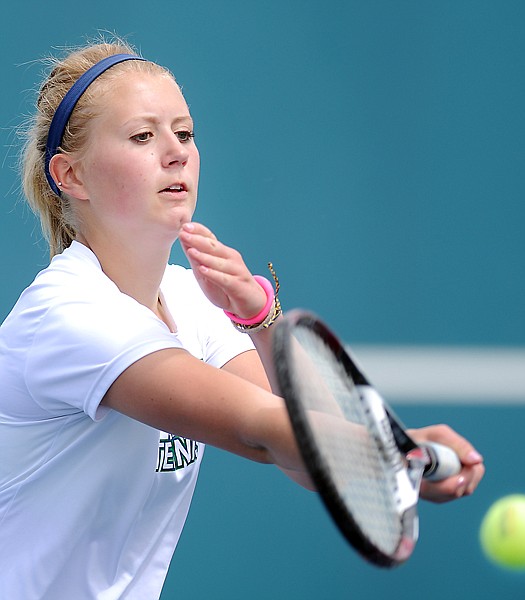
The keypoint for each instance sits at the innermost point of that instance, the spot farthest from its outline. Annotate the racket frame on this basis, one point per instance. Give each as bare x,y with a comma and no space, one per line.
404,456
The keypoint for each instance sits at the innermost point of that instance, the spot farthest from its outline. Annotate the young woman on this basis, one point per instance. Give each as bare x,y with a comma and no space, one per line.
116,367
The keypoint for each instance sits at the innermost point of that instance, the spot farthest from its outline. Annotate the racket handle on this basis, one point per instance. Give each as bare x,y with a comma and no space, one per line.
444,462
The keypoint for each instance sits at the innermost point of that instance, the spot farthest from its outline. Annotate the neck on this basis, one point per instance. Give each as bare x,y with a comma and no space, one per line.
136,270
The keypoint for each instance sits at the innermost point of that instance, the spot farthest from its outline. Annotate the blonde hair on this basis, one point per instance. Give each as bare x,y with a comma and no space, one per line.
57,218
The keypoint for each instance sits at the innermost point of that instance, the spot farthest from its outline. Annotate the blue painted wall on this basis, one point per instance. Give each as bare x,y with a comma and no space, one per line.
374,151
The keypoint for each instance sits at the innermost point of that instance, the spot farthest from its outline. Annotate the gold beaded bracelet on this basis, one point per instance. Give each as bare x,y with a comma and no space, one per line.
271,317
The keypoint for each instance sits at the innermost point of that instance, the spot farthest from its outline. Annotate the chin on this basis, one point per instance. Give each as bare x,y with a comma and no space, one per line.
175,227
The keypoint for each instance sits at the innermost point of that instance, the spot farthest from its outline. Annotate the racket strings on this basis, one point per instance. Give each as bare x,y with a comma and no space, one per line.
339,426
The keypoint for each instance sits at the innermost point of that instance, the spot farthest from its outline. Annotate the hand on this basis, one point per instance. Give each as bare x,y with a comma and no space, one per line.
457,486
221,272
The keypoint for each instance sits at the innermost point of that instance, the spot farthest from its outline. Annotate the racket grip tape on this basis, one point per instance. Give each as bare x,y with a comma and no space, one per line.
444,462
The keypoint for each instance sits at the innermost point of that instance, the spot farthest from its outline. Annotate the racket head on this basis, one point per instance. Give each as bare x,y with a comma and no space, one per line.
360,475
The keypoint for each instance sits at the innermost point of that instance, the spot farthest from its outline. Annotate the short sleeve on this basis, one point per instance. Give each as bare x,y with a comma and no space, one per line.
81,347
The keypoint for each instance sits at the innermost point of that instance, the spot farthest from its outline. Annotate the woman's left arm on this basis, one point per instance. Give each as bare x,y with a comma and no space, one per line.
227,282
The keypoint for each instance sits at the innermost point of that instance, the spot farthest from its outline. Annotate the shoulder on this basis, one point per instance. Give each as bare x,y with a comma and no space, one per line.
73,307
70,279
73,273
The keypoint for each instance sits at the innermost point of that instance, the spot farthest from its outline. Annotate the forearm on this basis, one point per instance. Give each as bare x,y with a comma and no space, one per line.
175,392
263,343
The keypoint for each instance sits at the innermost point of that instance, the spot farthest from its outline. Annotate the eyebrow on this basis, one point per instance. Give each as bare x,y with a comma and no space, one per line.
184,120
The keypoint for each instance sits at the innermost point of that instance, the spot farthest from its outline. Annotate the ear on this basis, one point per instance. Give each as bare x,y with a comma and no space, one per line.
63,171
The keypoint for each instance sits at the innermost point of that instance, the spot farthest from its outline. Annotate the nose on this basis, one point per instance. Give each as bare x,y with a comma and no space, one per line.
175,152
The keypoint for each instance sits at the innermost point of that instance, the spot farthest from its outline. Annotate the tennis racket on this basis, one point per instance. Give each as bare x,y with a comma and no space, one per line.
365,466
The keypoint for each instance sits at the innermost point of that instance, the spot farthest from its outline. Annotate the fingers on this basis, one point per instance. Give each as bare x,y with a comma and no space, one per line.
198,229
458,486
221,272
197,239
472,471
472,477
206,253
443,434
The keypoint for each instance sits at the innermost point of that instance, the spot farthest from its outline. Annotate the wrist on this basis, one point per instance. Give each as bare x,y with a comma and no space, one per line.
269,313
263,313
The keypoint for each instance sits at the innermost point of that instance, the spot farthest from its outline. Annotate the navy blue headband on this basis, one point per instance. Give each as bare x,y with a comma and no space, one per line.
65,108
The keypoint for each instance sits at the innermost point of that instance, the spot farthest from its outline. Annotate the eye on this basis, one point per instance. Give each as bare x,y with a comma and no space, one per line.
184,136
142,137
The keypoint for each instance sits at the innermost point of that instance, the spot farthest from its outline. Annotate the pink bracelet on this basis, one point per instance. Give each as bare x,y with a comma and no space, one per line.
259,318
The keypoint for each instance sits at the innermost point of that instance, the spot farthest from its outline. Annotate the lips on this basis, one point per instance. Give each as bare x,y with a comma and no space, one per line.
175,188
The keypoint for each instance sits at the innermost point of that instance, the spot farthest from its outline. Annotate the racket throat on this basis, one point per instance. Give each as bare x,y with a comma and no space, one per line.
410,526
380,424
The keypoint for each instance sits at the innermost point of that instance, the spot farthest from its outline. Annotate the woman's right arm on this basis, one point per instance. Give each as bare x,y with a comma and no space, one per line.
173,391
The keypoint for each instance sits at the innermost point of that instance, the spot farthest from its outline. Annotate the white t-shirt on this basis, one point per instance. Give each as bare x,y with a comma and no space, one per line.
92,503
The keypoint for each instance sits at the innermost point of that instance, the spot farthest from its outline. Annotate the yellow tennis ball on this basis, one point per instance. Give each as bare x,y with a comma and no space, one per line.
502,532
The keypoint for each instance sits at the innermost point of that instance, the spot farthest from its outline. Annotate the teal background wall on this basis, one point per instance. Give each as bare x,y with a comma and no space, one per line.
374,151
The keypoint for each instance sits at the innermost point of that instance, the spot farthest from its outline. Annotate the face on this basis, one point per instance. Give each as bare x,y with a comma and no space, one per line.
141,168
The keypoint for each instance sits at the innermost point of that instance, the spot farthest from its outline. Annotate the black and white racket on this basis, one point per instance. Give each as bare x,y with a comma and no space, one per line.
365,466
